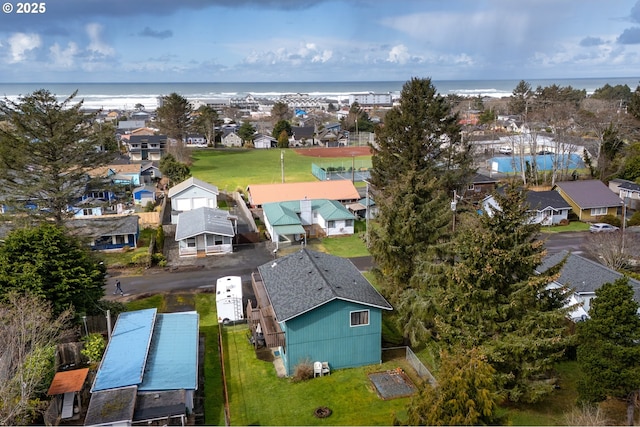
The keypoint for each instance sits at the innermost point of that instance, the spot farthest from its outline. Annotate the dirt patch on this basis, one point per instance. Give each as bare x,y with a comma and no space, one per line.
329,152
179,302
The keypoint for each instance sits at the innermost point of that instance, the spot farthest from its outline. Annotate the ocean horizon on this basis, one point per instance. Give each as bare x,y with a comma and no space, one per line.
124,96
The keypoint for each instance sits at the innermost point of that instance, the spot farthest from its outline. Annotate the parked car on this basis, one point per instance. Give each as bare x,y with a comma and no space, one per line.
545,152
505,150
601,227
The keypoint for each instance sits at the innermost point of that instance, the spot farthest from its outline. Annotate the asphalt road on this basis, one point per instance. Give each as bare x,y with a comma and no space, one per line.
247,258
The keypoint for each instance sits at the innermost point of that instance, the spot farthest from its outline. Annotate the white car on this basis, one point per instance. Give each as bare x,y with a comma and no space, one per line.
505,150
601,227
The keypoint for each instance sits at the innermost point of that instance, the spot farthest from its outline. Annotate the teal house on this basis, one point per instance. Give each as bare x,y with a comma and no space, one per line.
312,306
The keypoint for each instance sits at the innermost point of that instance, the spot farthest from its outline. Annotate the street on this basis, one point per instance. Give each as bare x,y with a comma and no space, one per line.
248,257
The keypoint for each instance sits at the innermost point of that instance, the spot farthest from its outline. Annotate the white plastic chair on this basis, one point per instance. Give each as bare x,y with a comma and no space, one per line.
317,369
325,368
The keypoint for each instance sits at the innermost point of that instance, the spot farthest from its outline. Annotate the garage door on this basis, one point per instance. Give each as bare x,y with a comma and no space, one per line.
183,205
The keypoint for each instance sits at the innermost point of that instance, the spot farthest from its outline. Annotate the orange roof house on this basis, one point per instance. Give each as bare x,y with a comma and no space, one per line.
66,387
340,190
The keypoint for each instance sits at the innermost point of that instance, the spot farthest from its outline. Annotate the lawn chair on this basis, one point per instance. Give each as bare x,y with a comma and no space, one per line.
325,368
317,369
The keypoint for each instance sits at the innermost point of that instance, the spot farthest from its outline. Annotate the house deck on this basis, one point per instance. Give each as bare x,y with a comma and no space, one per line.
264,316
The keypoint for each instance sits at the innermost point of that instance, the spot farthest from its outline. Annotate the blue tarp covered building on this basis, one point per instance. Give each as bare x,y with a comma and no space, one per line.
155,353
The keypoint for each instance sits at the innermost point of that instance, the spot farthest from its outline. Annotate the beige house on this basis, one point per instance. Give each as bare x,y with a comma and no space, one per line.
590,200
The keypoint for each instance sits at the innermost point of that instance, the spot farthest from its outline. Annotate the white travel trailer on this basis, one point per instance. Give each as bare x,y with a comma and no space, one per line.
229,299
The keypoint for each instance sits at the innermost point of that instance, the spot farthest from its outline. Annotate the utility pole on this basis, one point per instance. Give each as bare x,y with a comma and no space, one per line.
282,165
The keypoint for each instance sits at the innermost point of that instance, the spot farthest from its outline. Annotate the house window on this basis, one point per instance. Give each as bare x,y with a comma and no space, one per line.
331,224
218,240
87,211
348,223
191,242
471,187
359,318
598,211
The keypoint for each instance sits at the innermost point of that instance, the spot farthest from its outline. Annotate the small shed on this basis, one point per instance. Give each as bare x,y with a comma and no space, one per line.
66,387
144,194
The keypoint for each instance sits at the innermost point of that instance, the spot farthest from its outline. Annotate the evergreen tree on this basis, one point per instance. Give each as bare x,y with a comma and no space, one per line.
206,121
519,101
465,394
281,126
280,112
174,170
418,160
46,148
487,294
246,131
608,350
175,119
48,262
634,103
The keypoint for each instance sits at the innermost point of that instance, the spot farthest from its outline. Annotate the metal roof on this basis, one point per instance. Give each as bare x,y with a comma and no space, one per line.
184,185
126,354
204,220
173,357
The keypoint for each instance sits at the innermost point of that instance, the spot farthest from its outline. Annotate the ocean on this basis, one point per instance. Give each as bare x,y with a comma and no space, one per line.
124,96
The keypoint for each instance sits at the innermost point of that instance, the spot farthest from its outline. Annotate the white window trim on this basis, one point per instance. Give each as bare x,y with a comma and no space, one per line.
362,324
598,211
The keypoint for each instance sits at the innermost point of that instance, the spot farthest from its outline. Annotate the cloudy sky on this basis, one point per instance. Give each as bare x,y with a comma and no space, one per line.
317,40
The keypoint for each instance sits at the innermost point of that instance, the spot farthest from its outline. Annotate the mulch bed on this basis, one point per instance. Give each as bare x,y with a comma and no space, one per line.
329,152
392,384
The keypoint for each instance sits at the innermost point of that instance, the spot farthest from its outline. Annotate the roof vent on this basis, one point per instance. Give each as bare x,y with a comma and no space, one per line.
274,264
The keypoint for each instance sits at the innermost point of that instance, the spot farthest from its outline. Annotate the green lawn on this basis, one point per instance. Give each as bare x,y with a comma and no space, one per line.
573,226
235,169
258,397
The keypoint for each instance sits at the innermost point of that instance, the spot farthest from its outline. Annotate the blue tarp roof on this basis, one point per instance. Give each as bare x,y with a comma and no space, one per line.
124,359
544,162
173,358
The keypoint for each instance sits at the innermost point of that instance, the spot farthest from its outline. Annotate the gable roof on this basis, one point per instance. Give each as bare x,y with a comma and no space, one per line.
541,200
287,212
304,280
583,275
204,220
479,178
115,169
339,190
189,182
108,225
589,194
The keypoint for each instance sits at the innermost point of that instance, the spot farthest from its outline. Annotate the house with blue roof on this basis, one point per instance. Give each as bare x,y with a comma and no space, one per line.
149,354
313,306
298,219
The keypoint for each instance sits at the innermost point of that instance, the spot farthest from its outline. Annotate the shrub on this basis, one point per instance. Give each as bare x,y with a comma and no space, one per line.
150,206
159,238
611,219
156,259
141,260
564,222
634,220
93,349
303,371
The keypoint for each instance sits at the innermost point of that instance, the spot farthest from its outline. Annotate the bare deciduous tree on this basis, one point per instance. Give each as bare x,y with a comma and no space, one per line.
28,334
614,249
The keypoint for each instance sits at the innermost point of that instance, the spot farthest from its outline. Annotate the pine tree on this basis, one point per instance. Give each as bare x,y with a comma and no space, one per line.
608,350
418,160
487,294
46,148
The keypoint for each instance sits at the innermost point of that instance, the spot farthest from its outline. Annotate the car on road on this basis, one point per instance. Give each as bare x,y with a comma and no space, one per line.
601,227
505,150
544,152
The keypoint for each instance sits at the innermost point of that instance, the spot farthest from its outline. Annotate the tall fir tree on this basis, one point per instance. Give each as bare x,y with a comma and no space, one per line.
46,148
418,160
608,350
487,294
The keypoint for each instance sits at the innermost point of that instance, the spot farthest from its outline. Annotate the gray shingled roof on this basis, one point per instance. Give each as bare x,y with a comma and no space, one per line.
203,220
631,186
590,194
540,200
307,279
583,275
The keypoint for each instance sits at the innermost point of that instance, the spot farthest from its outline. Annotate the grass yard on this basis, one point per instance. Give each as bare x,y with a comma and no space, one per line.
235,169
259,397
573,226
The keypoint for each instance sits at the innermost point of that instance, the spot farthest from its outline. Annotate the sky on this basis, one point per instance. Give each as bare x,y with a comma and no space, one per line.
70,41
